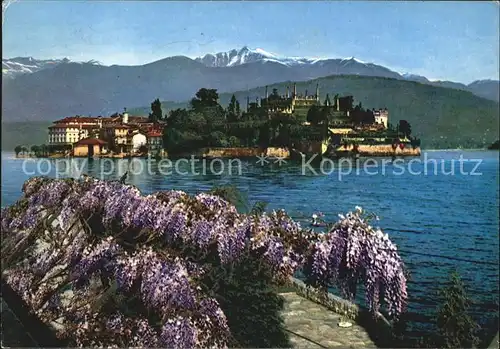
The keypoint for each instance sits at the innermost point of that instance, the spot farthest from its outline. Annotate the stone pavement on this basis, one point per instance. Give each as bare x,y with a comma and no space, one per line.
313,326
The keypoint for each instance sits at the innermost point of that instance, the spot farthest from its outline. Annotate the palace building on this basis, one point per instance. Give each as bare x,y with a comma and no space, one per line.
339,111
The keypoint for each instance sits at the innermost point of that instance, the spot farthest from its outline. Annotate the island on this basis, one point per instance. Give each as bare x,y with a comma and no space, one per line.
287,125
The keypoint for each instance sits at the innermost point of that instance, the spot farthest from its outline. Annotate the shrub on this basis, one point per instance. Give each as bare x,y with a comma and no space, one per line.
455,328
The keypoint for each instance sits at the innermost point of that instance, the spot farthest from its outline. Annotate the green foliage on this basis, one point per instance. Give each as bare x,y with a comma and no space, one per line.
404,128
495,146
317,115
231,194
258,208
233,110
205,98
454,327
252,306
156,111
28,133
143,149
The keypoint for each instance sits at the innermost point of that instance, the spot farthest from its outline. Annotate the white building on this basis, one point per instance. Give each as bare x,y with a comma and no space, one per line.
72,129
381,117
138,139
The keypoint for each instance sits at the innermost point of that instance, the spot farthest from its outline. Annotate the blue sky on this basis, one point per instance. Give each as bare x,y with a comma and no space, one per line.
455,41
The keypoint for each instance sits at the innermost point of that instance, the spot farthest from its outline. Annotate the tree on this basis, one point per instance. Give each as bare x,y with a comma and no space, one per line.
177,118
455,328
94,133
234,141
327,101
35,149
238,108
156,111
361,116
18,149
205,98
233,110
316,115
404,128
43,150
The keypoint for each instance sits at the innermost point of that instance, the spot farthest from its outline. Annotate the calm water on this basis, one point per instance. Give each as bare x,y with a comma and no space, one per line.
439,221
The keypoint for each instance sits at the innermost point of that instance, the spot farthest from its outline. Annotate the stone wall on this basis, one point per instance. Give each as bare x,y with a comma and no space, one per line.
381,150
233,152
246,152
337,304
278,152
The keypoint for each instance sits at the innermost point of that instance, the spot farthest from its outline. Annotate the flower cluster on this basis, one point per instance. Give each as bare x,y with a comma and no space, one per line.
107,238
352,250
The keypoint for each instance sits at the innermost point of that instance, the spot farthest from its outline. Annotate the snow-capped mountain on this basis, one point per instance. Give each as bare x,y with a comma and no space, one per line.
414,77
13,67
255,67
246,55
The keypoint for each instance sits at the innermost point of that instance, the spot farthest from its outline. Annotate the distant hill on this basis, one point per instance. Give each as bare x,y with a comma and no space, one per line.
24,133
49,89
441,117
489,89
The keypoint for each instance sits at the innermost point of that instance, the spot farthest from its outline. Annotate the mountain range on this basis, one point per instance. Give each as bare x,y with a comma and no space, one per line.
49,89
310,67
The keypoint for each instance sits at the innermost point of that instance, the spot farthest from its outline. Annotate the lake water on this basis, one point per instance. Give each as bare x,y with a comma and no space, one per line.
440,221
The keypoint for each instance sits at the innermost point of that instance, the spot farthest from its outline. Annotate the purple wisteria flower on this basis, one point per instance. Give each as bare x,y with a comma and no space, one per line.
353,249
21,281
33,184
211,309
202,233
232,242
44,261
102,258
166,285
215,203
144,336
129,268
179,333
50,194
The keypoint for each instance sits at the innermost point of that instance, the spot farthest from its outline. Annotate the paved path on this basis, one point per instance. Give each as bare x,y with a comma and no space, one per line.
304,318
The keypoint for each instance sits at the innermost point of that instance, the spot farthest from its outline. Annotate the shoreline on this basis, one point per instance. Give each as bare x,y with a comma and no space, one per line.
223,156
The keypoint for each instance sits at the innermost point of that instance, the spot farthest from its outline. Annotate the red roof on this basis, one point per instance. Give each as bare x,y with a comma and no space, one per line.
74,126
154,134
91,141
138,119
60,126
69,119
113,125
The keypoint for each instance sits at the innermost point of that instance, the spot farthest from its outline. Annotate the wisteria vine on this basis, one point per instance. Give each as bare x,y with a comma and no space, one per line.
93,237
